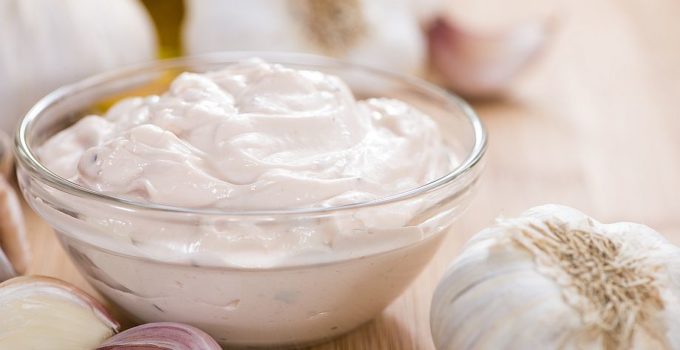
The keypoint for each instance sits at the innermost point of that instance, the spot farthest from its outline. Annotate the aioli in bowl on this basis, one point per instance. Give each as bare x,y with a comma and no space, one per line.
256,276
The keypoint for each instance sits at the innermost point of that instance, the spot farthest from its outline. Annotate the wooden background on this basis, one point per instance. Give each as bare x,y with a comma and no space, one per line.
594,124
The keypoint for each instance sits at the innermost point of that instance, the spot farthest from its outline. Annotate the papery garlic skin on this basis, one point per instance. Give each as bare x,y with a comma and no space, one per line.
501,294
46,44
45,313
391,36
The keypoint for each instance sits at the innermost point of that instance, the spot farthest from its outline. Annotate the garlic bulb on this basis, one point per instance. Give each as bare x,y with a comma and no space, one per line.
161,336
556,279
382,33
47,43
46,313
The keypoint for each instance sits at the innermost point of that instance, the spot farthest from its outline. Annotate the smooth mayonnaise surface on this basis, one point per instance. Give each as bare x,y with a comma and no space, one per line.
252,136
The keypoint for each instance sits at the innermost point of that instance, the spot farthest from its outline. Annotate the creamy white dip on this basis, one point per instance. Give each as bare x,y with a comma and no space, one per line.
252,136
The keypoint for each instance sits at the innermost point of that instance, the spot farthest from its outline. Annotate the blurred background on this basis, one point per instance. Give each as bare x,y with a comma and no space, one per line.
581,98
46,44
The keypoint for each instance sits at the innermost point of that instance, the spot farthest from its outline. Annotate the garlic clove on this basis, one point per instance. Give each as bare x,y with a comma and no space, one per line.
6,268
477,64
13,240
161,336
12,216
46,313
6,155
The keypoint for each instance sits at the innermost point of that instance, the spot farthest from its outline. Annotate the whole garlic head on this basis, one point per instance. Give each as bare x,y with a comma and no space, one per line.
46,44
555,278
383,33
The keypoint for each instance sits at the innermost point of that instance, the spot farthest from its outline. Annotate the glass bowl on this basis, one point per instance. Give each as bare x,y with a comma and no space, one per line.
161,263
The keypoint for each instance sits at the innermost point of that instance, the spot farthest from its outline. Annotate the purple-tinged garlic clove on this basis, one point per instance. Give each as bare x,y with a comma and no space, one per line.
46,313
161,336
13,240
482,64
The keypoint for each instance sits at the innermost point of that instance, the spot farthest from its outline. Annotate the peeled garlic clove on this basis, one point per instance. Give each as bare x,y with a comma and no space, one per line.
46,44
46,313
483,64
555,278
13,240
383,33
161,336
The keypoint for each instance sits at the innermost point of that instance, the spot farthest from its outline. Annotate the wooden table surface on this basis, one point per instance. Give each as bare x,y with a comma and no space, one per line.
595,124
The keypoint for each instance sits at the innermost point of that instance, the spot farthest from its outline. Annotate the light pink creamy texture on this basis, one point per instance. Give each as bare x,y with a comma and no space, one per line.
255,136
252,136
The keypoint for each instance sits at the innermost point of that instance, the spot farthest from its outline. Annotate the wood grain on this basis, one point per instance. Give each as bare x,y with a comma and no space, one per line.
595,125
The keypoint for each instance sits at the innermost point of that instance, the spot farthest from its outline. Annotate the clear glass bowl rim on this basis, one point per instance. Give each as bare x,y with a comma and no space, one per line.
29,160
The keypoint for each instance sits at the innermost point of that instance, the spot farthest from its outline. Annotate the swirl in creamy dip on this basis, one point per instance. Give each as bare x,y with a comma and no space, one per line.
252,136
